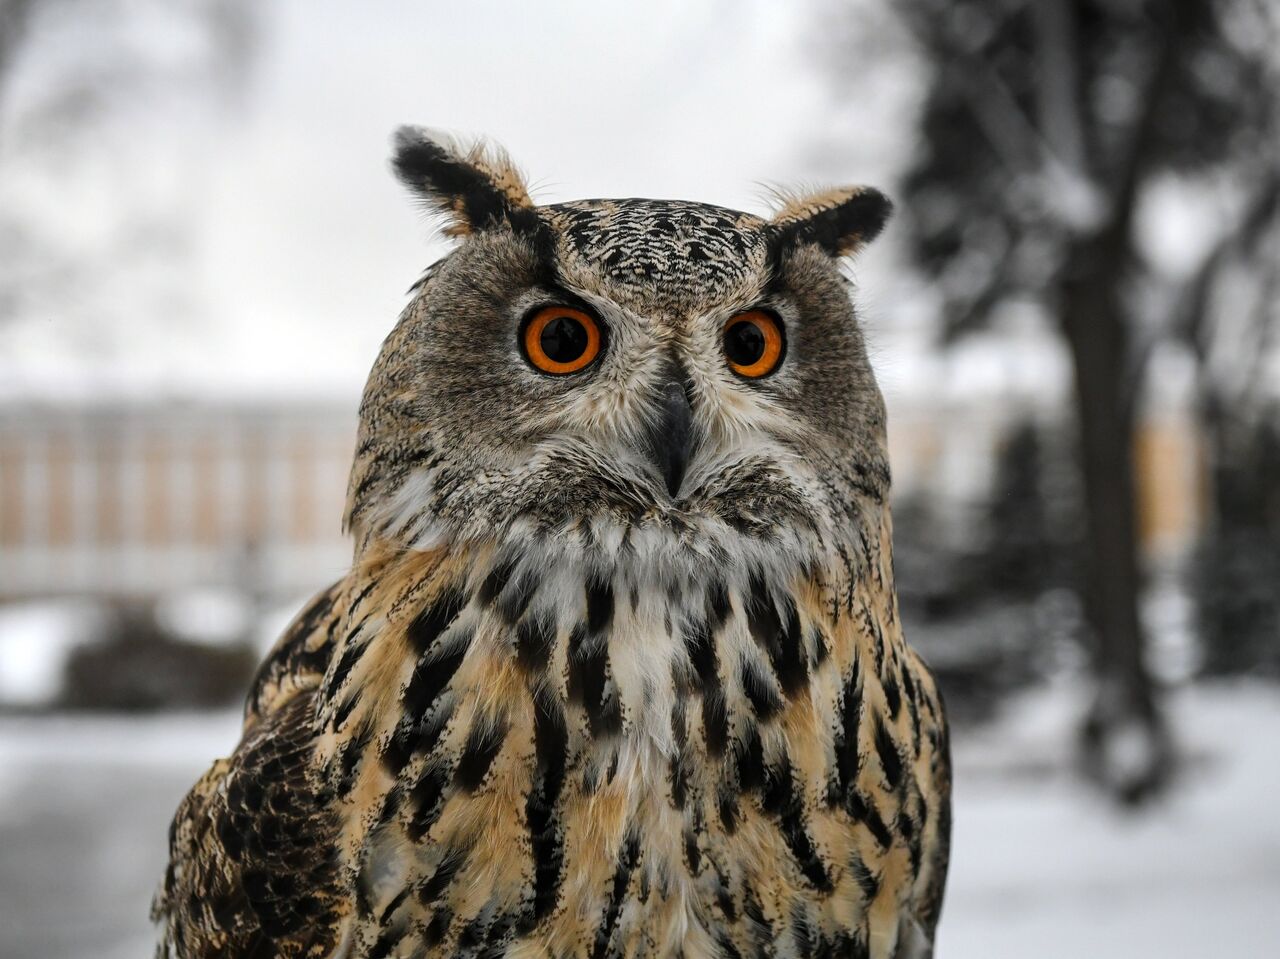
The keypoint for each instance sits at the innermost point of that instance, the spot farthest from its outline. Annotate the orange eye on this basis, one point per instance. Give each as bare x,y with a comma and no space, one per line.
560,340
754,344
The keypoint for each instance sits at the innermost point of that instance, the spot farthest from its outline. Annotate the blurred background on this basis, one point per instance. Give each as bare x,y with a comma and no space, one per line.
1075,318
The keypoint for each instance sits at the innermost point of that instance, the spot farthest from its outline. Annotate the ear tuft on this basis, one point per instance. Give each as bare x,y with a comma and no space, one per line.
475,186
841,221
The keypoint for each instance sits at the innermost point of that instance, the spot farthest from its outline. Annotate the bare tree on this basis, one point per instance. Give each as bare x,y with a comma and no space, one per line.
13,28
1044,126
92,95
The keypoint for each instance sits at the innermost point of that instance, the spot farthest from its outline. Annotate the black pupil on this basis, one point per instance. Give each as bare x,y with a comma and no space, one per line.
744,343
563,340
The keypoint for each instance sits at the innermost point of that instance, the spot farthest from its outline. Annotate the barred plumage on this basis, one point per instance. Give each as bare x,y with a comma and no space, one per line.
569,702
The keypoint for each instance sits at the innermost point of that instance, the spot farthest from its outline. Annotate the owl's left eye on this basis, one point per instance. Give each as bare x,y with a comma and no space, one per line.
754,343
560,340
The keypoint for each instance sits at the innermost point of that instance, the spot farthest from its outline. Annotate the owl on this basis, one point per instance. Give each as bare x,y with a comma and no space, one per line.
617,670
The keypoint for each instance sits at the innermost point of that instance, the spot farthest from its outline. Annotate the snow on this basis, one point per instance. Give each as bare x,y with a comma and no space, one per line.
1042,866
119,742
212,617
36,638
84,809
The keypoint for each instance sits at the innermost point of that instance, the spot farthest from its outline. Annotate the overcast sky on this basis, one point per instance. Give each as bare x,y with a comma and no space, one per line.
698,100
296,245
301,244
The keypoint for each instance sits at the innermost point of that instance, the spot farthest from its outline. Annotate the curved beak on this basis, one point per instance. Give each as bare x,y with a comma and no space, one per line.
669,442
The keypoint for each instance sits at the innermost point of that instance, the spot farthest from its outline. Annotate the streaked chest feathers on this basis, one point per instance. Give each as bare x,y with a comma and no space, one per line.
541,751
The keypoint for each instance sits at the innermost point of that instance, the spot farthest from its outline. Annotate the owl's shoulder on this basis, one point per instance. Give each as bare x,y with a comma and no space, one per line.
252,869
301,655
252,862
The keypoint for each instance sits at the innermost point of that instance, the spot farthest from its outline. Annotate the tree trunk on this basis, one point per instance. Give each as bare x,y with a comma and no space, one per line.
1124,739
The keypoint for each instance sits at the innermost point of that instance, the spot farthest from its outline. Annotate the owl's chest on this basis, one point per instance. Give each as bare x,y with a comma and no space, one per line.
625,779
546,791
610,855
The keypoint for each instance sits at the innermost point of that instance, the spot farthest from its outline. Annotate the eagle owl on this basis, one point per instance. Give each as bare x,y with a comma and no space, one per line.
617,670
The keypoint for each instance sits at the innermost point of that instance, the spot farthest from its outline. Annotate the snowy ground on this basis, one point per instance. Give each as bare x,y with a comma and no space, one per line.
1042,867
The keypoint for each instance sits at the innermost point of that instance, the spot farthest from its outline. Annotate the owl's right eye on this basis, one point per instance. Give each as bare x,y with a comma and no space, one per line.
560,340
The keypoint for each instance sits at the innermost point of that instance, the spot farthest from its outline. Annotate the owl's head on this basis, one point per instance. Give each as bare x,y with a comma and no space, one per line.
604,373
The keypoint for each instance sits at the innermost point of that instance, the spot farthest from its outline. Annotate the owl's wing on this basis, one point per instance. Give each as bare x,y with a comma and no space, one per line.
253,862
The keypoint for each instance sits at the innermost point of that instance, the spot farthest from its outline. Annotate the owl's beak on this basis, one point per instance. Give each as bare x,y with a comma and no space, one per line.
670,438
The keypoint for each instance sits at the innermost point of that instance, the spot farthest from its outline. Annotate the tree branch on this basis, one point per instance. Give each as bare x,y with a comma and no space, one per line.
14,17
1054,160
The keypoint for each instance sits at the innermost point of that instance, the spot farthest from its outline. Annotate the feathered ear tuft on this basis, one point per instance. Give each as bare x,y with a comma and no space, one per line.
476,186
841,221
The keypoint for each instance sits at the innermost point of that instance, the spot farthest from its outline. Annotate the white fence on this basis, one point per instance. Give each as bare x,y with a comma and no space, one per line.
143,499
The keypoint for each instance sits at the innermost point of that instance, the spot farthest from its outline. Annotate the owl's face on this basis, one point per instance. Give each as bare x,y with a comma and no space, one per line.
609,369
